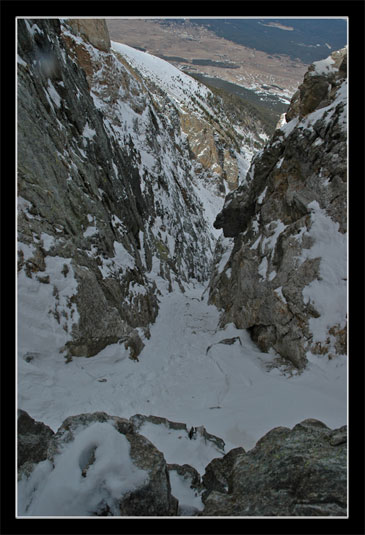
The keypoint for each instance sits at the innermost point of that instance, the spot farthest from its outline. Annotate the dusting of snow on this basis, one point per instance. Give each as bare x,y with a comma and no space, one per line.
122,260
256,243
263,267
279,292
90,231
178,448
39,306
287,128
179,86
32,29
48,241
189,499
262,196
270,242
326,113
278,165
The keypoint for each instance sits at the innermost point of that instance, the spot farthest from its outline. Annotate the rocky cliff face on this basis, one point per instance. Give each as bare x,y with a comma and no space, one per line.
73,183
105,171
283,275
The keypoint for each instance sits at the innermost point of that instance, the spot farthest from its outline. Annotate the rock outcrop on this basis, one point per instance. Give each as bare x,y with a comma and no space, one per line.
94,30
138,420
285,276
297,472
212,149
32,440
101,465
110,470
319,85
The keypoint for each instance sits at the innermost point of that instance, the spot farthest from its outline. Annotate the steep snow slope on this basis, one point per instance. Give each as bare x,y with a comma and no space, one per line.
178,85
194,98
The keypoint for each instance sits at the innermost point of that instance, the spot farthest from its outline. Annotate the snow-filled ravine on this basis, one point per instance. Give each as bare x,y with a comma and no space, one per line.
190,371
231,389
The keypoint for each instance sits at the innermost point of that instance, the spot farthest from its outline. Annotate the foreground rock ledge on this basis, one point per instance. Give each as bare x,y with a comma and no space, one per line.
290,472
297,472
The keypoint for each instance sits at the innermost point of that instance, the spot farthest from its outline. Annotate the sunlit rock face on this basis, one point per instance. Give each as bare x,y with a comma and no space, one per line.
95,31
286,276
210,150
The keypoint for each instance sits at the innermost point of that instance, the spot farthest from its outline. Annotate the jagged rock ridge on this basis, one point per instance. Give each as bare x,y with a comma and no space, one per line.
285,276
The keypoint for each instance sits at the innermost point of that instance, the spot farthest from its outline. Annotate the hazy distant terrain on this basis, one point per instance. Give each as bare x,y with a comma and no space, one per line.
266,55
305,39
196,49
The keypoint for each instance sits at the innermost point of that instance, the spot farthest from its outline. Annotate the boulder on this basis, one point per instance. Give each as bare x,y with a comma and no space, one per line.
99,465
217,473
318,85
290,472
103,468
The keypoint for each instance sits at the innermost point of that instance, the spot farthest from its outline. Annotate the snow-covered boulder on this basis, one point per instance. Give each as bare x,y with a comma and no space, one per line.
97,465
